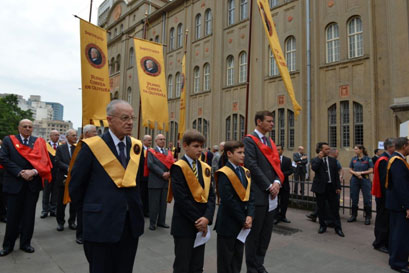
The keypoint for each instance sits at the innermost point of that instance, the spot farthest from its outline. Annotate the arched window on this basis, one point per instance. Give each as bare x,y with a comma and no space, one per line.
332,43
272,64
290,50
180,35
243,9
202,125
281,126
118,63
355,38
112,67
230,70
172,39
273,131
345,124
121,28
230,12
129,95
178,85
170,86
173,128
208,22
243,67
157,39
131,57
235,127
291,130
273,3
332,125
198,26
196,79
358,124
206,77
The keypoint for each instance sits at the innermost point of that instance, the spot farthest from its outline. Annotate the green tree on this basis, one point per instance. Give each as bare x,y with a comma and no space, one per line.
10,115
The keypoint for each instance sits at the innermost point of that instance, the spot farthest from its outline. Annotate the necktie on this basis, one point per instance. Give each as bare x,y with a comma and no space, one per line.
264,140
71,150
194,169
25,141
327,169
55,146
162,151
243,181
122,156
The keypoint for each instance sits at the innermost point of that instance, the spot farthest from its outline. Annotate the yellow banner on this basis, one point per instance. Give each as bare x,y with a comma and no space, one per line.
264,8
94,72
182,109
152,83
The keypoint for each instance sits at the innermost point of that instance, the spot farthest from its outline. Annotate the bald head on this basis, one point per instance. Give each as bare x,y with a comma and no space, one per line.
301,149
25,127
54,136
160,141
71,136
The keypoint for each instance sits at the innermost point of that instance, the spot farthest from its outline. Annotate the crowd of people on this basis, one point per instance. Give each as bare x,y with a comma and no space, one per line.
114,181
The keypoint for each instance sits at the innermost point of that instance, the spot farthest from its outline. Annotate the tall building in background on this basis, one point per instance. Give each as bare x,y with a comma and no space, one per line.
359,79
58,110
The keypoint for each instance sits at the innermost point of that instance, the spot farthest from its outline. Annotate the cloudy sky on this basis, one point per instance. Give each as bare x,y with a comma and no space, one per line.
40,51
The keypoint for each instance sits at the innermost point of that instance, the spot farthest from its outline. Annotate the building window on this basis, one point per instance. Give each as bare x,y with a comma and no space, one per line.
131,57
149,131
202,125
332,43
243,9
291,130
157,39
332,125
170,87
273,3
118,63
272,64
290,51
243,67
230,70
281,126
180,36
112,68
235,130
198,26
172,39
116,32
230,12
206,77
178,85
196,79
129,95
121,28
273,131
228,128
173,130
345,124
358,124
355,38
208,22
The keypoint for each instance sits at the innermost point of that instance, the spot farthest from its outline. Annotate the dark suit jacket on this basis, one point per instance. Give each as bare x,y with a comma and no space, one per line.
397,193
156,170
382,170
62,163
262,173
105,205
14,163
54,169
301,163
287,169
232,212
321,177
186,210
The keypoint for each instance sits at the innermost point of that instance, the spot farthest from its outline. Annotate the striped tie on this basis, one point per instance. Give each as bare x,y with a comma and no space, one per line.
194,169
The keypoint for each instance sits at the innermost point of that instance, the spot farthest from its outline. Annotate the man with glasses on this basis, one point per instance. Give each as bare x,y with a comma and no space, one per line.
26,161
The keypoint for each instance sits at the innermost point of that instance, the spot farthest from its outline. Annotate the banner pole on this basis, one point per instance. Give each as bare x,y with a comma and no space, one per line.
90,11
140,98
248,71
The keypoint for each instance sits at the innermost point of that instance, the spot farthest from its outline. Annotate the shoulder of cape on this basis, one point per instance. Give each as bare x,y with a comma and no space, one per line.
204,164
181,163
136,141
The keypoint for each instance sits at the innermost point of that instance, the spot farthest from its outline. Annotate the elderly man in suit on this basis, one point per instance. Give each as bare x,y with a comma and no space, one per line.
326,186
299,175
63,158
26,161
104,182
263,161
159,162
284,195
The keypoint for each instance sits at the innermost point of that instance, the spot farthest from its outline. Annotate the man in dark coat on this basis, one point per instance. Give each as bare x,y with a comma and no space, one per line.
284,195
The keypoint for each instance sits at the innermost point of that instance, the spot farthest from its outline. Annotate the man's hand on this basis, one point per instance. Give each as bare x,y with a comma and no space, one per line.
27,174
201,225
338,191
166,175
407,214
321,154
274,190
248,223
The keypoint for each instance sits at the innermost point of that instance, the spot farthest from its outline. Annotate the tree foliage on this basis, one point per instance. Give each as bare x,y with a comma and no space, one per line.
10,115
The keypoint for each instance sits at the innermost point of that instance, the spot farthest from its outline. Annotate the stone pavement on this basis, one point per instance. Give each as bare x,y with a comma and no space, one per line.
294,248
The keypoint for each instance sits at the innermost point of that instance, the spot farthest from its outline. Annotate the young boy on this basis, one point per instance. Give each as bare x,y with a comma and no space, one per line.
194,204
236,210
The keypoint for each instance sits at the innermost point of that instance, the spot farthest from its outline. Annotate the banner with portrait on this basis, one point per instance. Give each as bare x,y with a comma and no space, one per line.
182,108
94,73
267,19
152,84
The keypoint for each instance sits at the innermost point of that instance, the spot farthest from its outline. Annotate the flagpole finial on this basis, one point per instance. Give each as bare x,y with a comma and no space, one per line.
146,13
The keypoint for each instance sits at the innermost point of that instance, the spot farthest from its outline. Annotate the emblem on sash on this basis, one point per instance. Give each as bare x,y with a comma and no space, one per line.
248,173
207,172
137,149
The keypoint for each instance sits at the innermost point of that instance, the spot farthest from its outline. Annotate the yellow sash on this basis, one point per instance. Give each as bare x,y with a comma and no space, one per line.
51,149
244,194
199,194
67,198
389,166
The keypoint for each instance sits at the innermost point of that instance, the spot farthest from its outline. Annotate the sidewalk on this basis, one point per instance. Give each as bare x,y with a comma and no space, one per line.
294,248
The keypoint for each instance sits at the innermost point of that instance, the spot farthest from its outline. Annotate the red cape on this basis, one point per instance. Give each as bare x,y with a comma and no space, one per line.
376,184
166,160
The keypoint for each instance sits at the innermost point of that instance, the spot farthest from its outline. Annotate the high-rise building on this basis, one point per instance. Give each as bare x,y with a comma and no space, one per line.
58,110
358,67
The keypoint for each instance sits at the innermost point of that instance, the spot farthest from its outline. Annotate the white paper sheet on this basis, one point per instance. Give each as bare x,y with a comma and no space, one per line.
243,235
272,203
200,240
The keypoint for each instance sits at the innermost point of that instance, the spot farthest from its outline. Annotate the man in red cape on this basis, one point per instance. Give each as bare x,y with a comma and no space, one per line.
27,164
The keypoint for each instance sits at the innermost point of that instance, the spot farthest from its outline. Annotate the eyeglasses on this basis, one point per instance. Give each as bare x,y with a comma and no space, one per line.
27,126
126,118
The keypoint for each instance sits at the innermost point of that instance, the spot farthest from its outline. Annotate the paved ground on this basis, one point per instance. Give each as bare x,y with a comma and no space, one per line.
303,251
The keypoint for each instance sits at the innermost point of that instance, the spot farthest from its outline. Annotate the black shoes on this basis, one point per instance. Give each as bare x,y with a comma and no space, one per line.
322,229
3,219
339,232
53,214
163,226
367,221
5,252
43,215
152,227
382,249
79,241
312,217
60,227
285,220
28,249
72,226
402,270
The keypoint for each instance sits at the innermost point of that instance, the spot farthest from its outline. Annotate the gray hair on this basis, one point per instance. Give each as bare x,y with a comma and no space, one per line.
88,128
389,142
145,137
70,131
400,142
216,147
111,107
